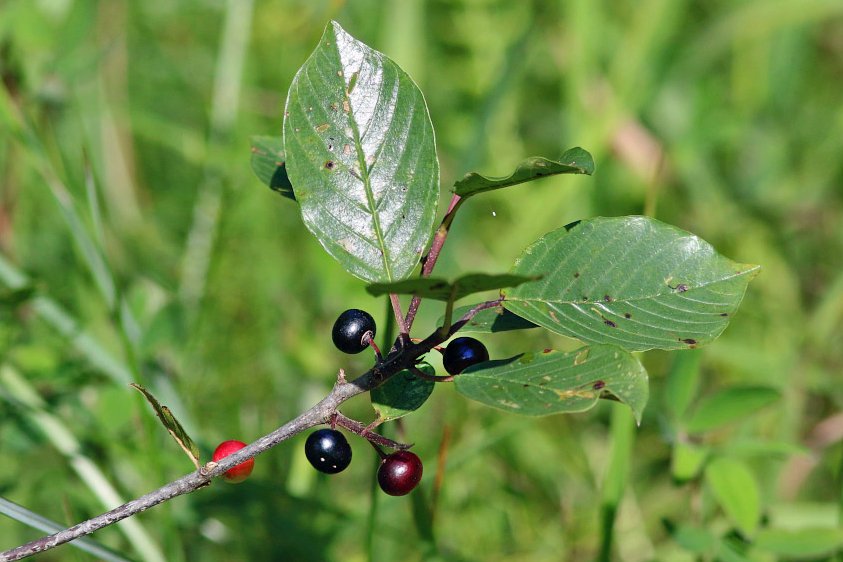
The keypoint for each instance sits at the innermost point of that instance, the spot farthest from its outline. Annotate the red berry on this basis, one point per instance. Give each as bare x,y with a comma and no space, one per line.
239,472
399,473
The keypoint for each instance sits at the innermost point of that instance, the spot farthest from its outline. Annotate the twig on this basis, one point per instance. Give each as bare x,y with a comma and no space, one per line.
433,378
322,412
366,432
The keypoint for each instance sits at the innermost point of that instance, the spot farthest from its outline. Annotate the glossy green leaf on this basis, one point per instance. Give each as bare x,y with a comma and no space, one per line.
574,161
402,394
801,543
362,158
491,320
268,164
440,289
634,282
729,405
537,384
736,490
172,425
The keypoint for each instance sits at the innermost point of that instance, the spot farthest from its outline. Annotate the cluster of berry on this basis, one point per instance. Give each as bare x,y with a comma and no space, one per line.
327,449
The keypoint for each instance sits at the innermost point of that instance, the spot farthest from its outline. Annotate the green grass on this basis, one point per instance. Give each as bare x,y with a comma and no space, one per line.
128,206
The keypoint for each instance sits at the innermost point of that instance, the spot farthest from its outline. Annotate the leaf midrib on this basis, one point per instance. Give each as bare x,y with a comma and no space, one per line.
364,174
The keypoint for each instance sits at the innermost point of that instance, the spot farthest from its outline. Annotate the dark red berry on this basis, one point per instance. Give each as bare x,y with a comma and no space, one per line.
350,329
399,473
241,471
328,451
462,353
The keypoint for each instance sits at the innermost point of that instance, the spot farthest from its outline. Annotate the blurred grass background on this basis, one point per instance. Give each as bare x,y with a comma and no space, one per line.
135,244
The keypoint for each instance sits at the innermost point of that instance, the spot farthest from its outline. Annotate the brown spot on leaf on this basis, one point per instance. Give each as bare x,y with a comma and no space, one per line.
598,385
576,274
681,288
607,298
330,165
724,314
609,323
547,350
689,341
627,315
322,128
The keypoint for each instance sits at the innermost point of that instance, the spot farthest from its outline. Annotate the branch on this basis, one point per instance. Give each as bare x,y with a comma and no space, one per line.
322,412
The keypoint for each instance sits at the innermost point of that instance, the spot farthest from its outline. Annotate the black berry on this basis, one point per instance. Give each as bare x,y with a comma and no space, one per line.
399,473
328,451
350,328
462,353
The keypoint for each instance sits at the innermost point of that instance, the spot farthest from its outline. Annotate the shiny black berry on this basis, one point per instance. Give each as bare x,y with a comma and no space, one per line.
399,473
350,328
328,451
462,353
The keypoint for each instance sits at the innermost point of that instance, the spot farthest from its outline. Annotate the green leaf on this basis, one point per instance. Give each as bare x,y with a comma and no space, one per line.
736,491
172,425
268,164
729,405
682,382
537,384
802,543
687,460
574,161
693,539
362,158
402,394
730,549
634,282
440,289
491,320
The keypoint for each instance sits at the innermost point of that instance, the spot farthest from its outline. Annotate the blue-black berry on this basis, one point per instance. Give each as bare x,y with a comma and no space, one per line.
350,328
462,353
399,473
328,451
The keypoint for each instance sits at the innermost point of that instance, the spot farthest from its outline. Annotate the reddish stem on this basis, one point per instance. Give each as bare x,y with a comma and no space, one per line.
365,432
433,378
429,261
